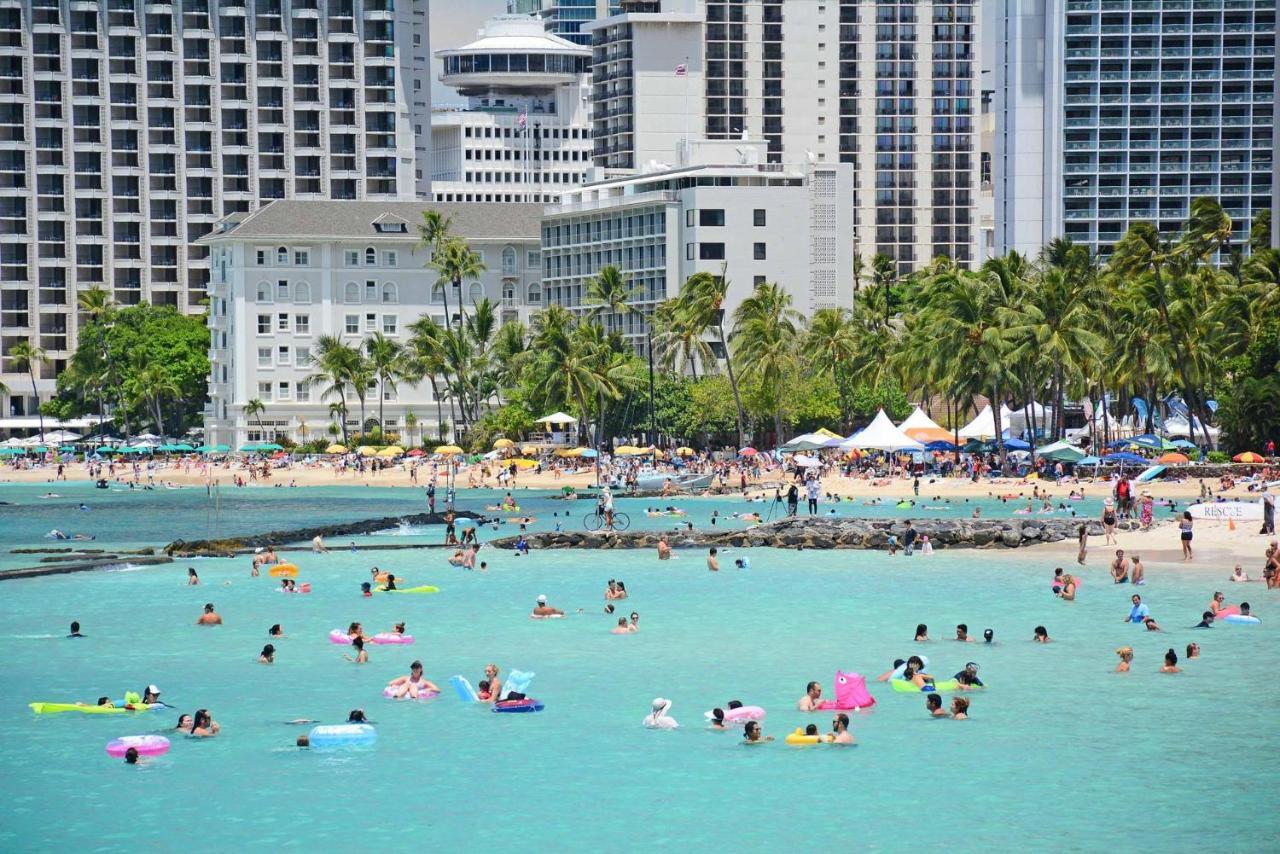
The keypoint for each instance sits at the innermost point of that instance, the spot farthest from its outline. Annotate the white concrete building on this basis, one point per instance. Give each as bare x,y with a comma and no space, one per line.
721,205
1112,112
127,128
293,271
890,88
524,134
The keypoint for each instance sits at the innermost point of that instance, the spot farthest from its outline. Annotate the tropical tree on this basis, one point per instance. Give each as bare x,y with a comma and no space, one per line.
678,337
26,356
410,425
335,364
455,263
764,337
254,409
434,232
610,294
884,271
154,385
829,346
385,359
703,298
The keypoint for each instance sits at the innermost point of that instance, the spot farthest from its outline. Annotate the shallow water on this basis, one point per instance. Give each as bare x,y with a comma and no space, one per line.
1059,752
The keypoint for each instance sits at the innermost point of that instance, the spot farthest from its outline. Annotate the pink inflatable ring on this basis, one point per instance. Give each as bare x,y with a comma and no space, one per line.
738,715
146,745
392,638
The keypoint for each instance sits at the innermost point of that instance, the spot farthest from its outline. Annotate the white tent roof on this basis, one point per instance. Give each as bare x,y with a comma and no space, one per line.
983,426
810,442
557,418
919,418
61,436
1179,427
881,435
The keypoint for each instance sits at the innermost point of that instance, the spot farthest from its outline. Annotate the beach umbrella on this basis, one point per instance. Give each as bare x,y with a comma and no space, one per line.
502,444
1173,457
66,449
270,446
823,431
391,451
684,452
183,447
415,452
524,464
590,453
1184,445
748,452
253,447
1248,457
366,450
1060,451
806,462
1088,461
529,450
975,446
556,418
1151,442
630,451
108,450
448,449
336,449
1017,445
939,445
135,450
1124,457
10,452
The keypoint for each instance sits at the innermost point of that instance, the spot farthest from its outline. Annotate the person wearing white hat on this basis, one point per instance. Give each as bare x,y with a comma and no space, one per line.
542,610
1109,521
151,695
659,718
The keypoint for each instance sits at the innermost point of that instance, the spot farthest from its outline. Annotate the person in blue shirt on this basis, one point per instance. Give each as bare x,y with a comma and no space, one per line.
968,678
1139,612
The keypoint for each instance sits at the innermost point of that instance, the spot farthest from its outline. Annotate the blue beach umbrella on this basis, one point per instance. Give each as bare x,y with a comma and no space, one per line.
1124,457
1016,445
1088,461
939,445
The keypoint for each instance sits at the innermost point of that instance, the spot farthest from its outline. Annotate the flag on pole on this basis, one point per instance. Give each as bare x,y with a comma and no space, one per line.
523,119
682,70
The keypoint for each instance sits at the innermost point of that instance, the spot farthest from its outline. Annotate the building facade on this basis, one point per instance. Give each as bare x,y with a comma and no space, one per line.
1124,111
524,134
128,128
724,211
890,88
565,18
292,271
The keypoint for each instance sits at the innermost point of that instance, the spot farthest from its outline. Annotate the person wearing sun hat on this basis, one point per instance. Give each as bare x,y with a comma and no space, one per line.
659,717
1109,521
542,610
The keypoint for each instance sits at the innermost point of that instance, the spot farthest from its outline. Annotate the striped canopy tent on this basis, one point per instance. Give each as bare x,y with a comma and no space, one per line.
922,428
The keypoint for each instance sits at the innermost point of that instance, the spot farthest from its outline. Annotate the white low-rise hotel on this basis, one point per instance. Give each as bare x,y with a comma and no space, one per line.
291,272
722,207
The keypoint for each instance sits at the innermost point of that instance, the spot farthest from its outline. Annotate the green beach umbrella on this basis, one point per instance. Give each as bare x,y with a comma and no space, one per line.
108,450
270,446
9,452
183,447
249,449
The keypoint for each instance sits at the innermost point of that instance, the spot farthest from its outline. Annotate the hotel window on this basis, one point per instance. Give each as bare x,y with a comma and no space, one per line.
302,324
261,255
351,293
264,357
389,324
351,257
758,218
282,355
371,323
264,292
264,324
370,291
302,356
508,261
264,391
302,292
282,323
390,258
390,294
759,252
301,257
352,324
303,393
282,256
370,257
531,260
282,290
711,251
711,217
284,391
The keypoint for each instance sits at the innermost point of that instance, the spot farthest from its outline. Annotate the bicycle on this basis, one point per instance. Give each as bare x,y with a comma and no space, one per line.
594,521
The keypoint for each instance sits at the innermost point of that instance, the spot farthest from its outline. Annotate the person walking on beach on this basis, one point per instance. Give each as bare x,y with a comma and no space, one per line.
1184,527
811,490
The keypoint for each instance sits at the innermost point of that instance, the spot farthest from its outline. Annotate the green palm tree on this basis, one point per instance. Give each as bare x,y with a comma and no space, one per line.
26,356
830,345
386,364
254,409
703,297
427,360
609,293
765,336
455,263
435,231
334,362
410,424
884,271
678,337
154,385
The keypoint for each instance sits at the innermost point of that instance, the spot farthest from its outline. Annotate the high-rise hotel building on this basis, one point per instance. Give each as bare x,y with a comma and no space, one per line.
1111,112
129,127
888,87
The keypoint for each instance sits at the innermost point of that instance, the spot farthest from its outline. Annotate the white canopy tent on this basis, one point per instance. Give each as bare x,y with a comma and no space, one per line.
556,418
1042,415
881,435
810,442
922,428
983,426
1180,428
61,436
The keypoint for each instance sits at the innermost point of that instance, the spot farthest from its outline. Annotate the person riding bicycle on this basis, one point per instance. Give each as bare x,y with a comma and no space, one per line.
605,508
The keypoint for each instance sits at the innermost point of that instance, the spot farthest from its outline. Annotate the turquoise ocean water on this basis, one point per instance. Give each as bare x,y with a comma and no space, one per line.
1060,753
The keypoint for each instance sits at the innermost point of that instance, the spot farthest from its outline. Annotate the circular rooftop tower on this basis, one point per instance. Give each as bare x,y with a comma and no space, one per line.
514,52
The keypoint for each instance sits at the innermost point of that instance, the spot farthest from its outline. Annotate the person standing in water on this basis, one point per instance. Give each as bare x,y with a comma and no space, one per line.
1120,568
840,730
1126,659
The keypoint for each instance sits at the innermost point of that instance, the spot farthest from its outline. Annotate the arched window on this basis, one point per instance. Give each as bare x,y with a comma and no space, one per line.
302,292
264,292
535,294
476,292
437,293
282,255
508,261
351,293
370,257
390,294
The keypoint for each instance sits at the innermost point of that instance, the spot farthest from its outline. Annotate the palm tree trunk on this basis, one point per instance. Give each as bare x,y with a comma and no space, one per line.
32,373
1106,415
382,395
342,399
733,381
